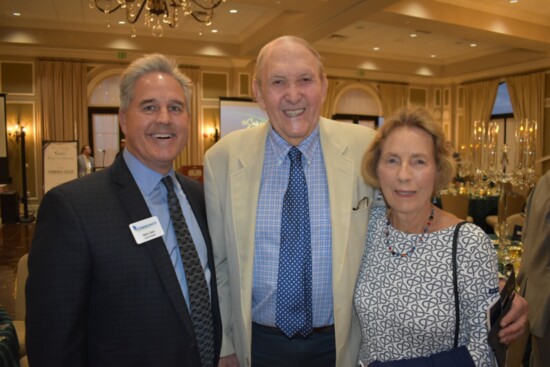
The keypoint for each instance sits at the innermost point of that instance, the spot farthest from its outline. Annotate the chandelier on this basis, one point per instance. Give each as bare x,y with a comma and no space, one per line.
158,12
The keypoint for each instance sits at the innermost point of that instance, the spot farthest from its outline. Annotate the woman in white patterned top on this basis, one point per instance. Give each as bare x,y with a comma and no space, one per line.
404,294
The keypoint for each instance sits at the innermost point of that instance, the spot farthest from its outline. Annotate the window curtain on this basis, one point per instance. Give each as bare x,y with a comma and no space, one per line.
62,101
393,97
479,99
328,107
527,96
192,154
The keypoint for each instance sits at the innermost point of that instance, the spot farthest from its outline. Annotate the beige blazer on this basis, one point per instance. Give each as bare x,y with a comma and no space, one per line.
233,169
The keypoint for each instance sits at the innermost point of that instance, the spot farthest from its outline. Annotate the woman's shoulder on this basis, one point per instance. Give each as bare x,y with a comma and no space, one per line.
448,221
444,220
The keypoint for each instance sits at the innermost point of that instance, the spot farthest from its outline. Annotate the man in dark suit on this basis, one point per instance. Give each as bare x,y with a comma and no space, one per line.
534,273
107,284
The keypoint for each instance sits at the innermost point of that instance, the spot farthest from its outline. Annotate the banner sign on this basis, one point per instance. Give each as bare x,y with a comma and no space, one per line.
59,163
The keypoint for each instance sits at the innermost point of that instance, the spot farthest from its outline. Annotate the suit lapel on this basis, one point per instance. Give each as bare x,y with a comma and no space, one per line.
245,189
340,177
137,209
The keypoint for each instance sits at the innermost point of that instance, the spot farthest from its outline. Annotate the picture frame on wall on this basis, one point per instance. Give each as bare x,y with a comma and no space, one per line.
437,97
244,85
214,85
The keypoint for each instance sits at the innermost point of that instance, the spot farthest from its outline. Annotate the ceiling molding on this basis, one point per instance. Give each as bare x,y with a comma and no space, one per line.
509,36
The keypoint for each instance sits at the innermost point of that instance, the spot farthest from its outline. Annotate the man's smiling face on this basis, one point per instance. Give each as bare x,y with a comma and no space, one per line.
156,123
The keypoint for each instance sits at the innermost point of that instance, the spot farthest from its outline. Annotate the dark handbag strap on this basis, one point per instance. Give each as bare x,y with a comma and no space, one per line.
455,284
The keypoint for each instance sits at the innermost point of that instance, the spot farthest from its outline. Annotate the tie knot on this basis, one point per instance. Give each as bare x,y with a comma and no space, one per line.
295,155
167,181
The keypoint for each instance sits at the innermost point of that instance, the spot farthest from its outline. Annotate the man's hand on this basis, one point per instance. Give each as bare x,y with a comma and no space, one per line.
515,321
229,361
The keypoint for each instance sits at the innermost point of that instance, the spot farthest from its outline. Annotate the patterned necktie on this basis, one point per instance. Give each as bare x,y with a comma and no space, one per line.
294,313
199,299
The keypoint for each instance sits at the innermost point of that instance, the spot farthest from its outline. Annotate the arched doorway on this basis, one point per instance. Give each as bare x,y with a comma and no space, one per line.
359,104
103,127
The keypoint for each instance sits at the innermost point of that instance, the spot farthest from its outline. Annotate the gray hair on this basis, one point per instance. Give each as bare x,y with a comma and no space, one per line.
260,61
154,63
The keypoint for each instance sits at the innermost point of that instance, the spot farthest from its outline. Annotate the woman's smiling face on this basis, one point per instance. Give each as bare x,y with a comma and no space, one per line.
407,170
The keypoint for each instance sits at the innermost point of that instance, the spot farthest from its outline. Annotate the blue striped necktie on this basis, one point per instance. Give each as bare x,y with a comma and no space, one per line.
199,299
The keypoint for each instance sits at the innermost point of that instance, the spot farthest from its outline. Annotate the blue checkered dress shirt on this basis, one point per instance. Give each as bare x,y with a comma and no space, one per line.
274,182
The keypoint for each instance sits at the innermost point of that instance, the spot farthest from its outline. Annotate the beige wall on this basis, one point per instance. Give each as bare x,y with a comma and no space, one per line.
22,100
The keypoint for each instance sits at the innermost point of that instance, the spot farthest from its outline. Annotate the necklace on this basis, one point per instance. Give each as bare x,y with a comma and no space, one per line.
421,237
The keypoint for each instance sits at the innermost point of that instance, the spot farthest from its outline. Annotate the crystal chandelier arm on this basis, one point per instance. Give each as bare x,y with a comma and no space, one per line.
172,20
207,7
203,16
103,10
134,20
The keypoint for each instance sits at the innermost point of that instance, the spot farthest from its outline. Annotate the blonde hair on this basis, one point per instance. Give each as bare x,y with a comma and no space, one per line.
418,118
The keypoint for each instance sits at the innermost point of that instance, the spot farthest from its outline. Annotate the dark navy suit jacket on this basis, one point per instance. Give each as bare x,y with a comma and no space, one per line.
97,298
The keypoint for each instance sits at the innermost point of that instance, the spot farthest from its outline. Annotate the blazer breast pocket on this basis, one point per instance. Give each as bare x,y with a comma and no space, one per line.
360,215
362,204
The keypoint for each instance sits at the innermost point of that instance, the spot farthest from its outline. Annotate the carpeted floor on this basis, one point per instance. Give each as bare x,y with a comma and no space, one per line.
15,241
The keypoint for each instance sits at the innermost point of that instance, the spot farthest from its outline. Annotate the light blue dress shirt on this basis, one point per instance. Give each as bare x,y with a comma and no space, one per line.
274,182
155,194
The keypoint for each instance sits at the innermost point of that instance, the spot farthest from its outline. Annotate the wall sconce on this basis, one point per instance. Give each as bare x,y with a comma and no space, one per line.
212,134
15,132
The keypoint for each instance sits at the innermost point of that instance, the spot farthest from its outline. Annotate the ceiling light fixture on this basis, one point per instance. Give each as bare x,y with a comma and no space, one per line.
158,12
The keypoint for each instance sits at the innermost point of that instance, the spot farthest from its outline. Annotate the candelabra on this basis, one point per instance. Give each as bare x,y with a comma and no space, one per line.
503,170
522,174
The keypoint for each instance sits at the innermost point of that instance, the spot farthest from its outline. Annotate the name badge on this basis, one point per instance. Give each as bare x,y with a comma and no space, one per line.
146,230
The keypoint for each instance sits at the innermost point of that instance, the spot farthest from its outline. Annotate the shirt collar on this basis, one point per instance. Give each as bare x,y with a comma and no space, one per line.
281,147
146,178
